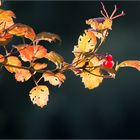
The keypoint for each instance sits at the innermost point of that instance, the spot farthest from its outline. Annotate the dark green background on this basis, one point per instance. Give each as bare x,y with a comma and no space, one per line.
110,111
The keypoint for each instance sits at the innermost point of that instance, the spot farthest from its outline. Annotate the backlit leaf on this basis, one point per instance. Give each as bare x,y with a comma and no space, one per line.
54,79
55,58
86,43
22,75
90,80
13,61
39,66
39,95
31,53
22,30
1,58
129,63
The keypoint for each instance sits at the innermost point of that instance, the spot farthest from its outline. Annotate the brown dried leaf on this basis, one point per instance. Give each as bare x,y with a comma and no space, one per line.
39,95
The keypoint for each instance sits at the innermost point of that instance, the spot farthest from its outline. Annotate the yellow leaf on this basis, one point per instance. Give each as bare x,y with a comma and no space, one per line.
91,81
14,62
86,43
129,63
39,95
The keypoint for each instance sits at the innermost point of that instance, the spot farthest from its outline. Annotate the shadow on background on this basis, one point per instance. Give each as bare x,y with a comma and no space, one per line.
110,111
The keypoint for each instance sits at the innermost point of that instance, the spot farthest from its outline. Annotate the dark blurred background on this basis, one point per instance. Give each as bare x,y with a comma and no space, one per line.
110,111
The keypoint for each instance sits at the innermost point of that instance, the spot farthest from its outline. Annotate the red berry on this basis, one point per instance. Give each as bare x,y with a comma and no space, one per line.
109,57
108,64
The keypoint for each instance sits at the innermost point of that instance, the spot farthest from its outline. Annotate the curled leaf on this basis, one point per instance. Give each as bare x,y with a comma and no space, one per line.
39,95
22,30
31,53
54,79
13,63
22,75
129,63
55,58
47,37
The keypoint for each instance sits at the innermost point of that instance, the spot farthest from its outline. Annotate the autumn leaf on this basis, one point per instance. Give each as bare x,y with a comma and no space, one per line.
31,53
39,66
92,79
22,75
22,30
2,58
129,63
6,19
55,58
54,79
86,43
13,63
5,38
47,37
39,95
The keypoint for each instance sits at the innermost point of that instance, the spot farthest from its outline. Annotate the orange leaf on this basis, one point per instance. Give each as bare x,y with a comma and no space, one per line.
129,63
54,79
14,62
22,30
1,58
5,39
39,66
22,75
31,53
6,19
39,95
47,37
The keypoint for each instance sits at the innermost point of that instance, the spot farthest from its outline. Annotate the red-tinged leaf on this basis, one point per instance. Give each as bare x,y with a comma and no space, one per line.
5,38
39,95
54,79
2,58
22,75
47,37
39,66
13,63
129,63
31,53
22,30
55,58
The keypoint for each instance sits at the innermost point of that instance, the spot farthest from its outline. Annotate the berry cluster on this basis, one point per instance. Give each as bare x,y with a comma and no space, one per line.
108,61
